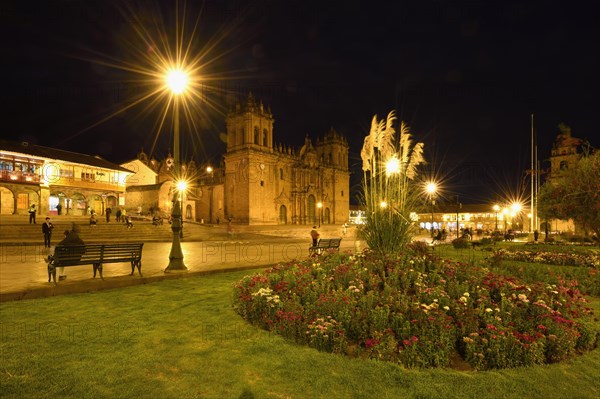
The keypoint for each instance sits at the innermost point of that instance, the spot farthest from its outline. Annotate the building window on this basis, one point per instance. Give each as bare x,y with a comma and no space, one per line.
342,193
88,176
264,137
564,165
281,174
256,137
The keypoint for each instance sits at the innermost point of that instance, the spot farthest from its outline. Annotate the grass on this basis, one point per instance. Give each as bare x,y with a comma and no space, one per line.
181,339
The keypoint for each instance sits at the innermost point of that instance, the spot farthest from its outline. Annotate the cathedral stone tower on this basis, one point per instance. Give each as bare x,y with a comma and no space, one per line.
249,162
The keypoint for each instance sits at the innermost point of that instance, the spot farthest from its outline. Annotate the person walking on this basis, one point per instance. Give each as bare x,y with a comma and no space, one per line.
118,214
314,234
229,229
32,212
59,208
128,222
108,212
47,231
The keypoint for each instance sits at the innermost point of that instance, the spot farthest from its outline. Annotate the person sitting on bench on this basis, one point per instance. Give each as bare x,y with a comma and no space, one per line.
71,239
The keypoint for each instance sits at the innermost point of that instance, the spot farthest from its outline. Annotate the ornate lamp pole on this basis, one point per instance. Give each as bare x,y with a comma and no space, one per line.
176,81
431,189
496,209
320,208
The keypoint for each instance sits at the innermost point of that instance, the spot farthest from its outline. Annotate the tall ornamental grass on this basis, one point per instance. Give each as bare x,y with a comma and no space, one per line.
389,187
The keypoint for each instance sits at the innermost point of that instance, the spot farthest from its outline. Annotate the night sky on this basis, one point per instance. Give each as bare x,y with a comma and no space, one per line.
466,77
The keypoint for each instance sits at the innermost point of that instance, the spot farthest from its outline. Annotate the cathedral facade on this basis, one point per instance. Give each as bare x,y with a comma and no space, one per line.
268,183
260,182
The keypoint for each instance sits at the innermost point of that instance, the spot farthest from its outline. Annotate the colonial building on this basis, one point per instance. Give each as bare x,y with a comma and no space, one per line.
56,180
566,152
476,217
150,188
259,182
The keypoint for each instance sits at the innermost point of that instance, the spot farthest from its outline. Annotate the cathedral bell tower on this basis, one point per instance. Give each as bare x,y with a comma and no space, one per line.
249,163
250,125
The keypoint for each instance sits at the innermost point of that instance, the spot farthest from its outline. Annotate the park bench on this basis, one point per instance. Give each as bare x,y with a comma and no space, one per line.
324,244
95,255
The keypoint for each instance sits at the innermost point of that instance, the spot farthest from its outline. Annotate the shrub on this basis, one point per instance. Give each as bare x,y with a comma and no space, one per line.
486,241
460,243
418,248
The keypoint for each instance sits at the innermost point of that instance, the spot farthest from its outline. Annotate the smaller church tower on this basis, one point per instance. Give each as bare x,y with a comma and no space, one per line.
332,150
565,151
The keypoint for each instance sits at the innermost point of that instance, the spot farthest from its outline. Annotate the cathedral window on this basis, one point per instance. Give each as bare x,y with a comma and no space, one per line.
264,137
256,135
281,174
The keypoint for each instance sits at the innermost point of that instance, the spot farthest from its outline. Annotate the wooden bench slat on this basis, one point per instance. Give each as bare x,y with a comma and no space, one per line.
324,244
96,255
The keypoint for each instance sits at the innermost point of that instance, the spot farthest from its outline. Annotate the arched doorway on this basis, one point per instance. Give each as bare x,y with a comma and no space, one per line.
311,210
95,203
326,216
77,205
282,214
57,203
188,212
7,201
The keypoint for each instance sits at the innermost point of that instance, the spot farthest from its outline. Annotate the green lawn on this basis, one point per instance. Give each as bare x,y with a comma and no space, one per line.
181,339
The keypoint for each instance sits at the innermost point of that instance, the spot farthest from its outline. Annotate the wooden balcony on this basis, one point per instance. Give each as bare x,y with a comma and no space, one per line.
19,177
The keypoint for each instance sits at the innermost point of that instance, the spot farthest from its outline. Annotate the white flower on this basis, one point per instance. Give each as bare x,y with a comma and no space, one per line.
466,294
488,310
446,308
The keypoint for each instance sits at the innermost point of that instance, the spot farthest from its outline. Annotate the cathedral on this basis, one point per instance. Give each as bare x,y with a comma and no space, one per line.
258,182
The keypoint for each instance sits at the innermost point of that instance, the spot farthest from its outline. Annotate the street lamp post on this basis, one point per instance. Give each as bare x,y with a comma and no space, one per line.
176,81
320,208
496,209
505,213
431,189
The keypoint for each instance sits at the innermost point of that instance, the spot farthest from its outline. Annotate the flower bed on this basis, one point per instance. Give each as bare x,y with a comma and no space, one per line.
552,258
417,311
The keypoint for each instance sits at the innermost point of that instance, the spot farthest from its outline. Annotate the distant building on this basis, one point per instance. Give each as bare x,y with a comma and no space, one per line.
55,179
476,217
566,152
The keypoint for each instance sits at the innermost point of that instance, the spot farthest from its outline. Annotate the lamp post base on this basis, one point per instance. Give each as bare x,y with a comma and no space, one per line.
176,264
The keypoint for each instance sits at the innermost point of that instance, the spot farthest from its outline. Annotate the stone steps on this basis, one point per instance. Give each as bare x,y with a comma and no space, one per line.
143,230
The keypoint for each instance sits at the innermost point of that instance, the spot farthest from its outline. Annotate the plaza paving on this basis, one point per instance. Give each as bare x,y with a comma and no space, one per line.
23,267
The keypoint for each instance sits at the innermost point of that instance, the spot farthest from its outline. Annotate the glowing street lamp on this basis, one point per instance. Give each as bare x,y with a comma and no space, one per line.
392,166
320,207
431,189
176,80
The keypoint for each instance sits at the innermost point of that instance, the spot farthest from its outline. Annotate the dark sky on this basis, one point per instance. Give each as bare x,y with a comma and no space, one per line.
466,77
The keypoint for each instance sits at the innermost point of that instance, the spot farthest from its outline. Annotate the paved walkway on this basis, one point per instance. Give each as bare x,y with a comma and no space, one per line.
23,269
